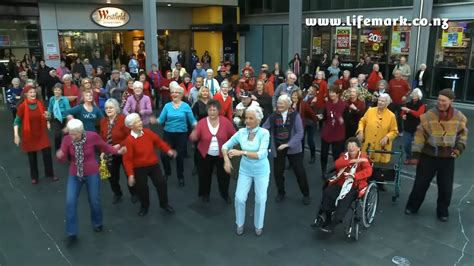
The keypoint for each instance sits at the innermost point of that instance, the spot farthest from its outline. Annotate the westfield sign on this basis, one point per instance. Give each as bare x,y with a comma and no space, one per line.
110,17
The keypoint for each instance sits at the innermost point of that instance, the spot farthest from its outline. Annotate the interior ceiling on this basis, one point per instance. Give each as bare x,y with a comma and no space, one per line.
175,3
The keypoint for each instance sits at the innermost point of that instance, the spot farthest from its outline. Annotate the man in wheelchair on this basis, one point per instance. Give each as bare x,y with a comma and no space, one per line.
350,182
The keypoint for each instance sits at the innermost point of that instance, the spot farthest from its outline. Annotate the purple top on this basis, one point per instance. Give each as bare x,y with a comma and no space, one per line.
145,108
91,166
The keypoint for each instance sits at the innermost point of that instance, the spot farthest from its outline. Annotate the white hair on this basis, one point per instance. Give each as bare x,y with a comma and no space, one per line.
130,119
225,83
15,81
387,97
418,92
75,125
175,86
284,98
257,110
67,77
138,84
209,71
322,73
114,103
422,65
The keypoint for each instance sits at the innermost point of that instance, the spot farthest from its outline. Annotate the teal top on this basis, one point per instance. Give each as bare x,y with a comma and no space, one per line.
62,105
176,120
252,167
89,119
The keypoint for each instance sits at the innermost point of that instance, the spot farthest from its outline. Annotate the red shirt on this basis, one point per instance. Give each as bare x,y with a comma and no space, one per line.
226,106
203,135
343,83
165,83
71,91
187,88
397,89
372,80
141,151
318,100
306,112
362,173
119,131
146,88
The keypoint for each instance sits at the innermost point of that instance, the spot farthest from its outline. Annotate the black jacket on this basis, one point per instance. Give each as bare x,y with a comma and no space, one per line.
425,78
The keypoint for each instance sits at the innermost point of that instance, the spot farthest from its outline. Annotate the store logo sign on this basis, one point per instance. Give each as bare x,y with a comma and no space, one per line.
110,17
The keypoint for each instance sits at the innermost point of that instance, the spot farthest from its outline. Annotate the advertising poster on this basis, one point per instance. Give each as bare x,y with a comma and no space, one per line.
52,51
452,37
343,40
317,45
400,40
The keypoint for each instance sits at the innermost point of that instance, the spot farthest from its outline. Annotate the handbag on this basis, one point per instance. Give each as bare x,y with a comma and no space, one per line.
103,170
383,174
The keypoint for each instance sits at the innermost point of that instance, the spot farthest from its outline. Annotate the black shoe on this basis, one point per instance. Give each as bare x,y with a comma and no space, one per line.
409,212
381,187
181,183
98,229
280,197
306,200
443,218
143,211
312,160
134,199
228,200
71,241
168,208
194,172
116,199
318,222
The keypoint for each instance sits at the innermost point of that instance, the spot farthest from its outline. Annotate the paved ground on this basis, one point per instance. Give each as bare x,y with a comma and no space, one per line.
32,225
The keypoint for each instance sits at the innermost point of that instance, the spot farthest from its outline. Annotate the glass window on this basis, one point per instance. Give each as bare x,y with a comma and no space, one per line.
254,6
321,42
19,37
276,6
374,43
450,1
452,46
314,5
345,43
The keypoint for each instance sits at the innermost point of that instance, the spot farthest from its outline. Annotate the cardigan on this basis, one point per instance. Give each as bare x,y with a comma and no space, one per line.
145,108
296,133
119,130
90,164
226,106
141,151
203,135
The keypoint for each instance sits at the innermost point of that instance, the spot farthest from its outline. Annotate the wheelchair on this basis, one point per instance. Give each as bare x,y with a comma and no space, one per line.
362,210
388,173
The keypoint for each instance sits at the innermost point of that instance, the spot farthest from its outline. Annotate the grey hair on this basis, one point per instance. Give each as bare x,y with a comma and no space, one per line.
257,110
225,83
422,65
67,77
209,70
138,84
75,125
175,86
418,92
322,73
130,119
284,98
354,79
387,97
16,80
114,104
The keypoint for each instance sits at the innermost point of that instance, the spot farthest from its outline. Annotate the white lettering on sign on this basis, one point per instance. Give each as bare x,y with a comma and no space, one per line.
110,17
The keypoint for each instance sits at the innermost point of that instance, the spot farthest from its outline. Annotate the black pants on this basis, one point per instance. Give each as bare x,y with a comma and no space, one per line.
114,180
337,149
397,110
58,132
426,169
141,185
47,163
177,141
296,162
328,204
309,134
205,169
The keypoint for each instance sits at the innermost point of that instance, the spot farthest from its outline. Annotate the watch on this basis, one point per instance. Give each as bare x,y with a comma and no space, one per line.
245,153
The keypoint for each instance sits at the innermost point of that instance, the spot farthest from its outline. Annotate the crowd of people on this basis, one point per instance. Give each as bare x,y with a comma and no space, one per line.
230,118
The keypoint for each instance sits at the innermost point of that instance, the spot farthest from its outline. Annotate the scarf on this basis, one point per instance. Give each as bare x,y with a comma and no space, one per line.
447,115
137,98
211,88
26,118
57,110
347,186
79,155
108,157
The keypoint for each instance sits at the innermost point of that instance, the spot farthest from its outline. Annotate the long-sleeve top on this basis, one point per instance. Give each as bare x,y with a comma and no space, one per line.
283,88
333,74
362,173
146,109
141,151
376,126
119,131
71,91
198,73
133,66
252,167
307,114
89,119
204,136
296,133
38,137
372,80
199,110
12,93
417,108
397,89
156,79
333,130
405,70
90,164
265,102
321,93
226,105
119,85
79,68
176,120
63,104
212,85
439,136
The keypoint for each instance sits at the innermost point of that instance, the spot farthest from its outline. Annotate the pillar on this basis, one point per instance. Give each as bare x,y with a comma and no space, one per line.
295,28
210,41
419,36
150,30
49,34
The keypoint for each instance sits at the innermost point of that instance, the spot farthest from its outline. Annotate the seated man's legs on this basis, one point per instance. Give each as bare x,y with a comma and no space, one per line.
343,206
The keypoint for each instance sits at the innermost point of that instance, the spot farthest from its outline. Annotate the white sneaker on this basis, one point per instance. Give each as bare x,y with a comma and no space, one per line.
258,232
240,230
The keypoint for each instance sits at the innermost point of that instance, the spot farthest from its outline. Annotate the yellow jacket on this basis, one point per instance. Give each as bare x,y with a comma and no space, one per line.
375,128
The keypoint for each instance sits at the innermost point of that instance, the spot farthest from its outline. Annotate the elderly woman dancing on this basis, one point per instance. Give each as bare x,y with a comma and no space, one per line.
254,167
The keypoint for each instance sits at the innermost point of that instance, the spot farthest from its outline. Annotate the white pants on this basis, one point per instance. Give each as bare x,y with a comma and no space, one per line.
244,183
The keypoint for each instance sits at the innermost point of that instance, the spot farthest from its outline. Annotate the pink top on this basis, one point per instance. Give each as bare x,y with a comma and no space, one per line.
91,166
203,135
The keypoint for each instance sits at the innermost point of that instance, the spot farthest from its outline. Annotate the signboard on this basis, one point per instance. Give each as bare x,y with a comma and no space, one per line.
343,40
5,40
317,45
452,37
400,40
52,51
110,17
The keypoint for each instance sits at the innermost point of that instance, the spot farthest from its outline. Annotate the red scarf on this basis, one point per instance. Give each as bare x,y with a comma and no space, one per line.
26,118
447,115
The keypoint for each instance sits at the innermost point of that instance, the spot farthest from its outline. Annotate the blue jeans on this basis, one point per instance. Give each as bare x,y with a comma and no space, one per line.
407,140
244,183
72,194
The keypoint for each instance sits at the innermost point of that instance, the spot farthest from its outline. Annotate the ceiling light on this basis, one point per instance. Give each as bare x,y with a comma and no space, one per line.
108,1
169,4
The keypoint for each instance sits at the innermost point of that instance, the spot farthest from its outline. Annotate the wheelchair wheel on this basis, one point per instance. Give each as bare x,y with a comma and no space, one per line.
356,232
369,205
